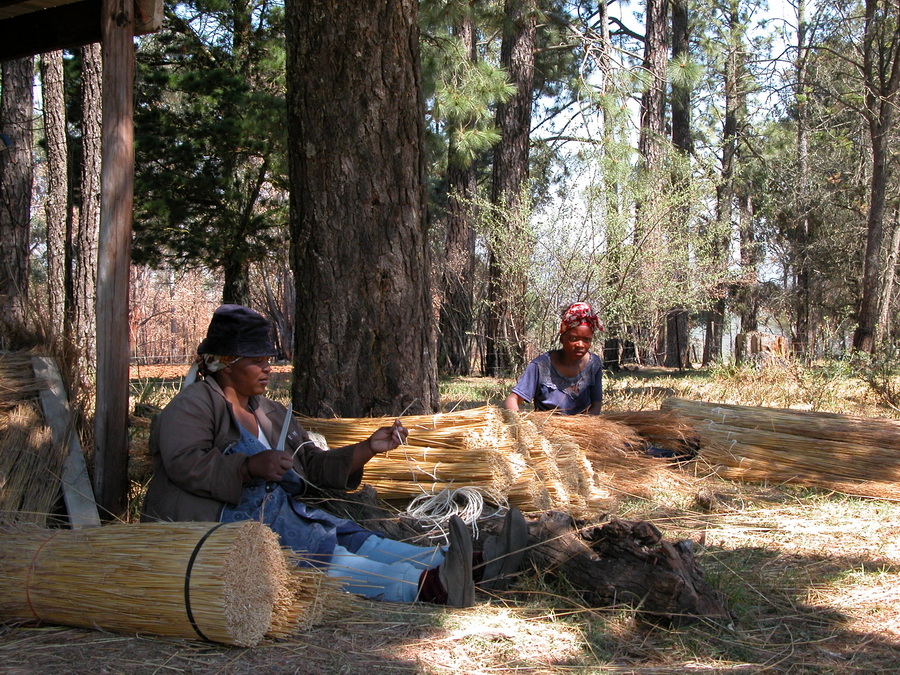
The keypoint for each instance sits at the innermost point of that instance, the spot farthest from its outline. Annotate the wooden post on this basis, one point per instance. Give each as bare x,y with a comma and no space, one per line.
114,255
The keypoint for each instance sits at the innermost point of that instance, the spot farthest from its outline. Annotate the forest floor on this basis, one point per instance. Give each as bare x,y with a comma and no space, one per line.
812,577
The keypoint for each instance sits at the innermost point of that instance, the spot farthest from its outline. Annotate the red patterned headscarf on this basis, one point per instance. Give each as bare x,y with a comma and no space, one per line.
579,313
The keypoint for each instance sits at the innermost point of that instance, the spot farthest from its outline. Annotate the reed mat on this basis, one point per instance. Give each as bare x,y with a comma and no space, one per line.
845,453
230,583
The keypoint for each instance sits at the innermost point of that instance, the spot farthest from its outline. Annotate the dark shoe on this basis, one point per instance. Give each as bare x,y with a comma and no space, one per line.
503,553
455,573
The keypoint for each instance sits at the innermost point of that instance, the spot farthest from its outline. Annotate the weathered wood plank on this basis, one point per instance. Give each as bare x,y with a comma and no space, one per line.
76,485
114,257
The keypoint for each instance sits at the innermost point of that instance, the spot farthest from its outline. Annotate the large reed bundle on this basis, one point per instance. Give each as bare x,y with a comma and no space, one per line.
30,467
615,451
471,448
229,583
663,429
561,467
850,454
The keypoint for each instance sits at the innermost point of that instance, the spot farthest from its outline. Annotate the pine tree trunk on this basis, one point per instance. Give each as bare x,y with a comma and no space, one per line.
56,205
87,227
510,245
16,173
881,72
677,319
801,341
364,340
456,318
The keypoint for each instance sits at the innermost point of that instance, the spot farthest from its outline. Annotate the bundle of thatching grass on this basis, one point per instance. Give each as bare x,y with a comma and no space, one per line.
615,450
466,448
560,465
659,428
855,455
30,467
229,583
17,381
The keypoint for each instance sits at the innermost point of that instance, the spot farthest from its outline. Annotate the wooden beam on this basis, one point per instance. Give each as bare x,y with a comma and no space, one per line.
114,254
76,485
64,27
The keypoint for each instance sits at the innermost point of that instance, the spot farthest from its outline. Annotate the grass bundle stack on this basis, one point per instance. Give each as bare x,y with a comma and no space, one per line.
855,455
663,429
229,583
30,467
465,448
615,452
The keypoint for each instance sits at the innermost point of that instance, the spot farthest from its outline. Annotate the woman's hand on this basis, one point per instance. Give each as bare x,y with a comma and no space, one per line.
388,438
270,465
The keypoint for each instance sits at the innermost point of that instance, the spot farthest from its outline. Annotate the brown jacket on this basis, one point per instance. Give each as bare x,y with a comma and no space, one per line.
193,480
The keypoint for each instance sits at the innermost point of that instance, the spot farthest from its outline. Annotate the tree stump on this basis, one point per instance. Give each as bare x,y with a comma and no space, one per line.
617,563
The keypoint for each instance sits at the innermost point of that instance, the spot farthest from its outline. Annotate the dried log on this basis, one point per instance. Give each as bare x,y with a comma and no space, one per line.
625,563
618,563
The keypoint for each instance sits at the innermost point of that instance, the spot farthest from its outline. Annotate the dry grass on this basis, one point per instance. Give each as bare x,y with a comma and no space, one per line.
811,577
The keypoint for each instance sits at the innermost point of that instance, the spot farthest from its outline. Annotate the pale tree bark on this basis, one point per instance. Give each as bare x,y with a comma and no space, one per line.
56,205
16,174
364,340
510,244
84,238
884,328
456,319
881,76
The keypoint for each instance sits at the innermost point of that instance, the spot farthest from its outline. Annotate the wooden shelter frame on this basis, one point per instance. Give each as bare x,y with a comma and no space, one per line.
30,27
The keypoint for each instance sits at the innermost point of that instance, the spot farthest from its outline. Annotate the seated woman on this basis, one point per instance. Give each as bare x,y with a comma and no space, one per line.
222,451
569,380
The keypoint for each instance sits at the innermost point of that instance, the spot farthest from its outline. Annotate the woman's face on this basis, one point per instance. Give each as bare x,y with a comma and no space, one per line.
249,376
576,342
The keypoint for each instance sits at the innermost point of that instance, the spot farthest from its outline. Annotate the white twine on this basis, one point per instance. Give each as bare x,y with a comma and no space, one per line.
436,509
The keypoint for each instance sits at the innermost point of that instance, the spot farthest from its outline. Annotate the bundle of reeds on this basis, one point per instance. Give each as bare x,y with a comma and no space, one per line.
615,452
660,428
30,467
471,448
229,583
850,454
17,381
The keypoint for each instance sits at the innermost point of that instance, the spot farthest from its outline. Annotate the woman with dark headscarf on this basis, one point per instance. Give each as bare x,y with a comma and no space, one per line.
570,379
224,452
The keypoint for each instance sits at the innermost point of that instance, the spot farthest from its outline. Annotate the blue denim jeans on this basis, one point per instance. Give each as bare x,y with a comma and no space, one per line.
384,569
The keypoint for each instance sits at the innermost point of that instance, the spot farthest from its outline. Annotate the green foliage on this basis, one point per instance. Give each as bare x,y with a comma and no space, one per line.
210,168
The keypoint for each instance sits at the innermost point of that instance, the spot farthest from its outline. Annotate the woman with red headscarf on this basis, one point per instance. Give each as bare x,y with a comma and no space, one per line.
569,379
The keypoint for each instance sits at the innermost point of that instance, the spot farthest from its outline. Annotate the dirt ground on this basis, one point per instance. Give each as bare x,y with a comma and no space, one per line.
380,640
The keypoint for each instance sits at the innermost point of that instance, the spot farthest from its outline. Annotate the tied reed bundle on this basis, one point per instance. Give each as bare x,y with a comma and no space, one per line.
854,455
615,452
30,466
467,448
229,583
